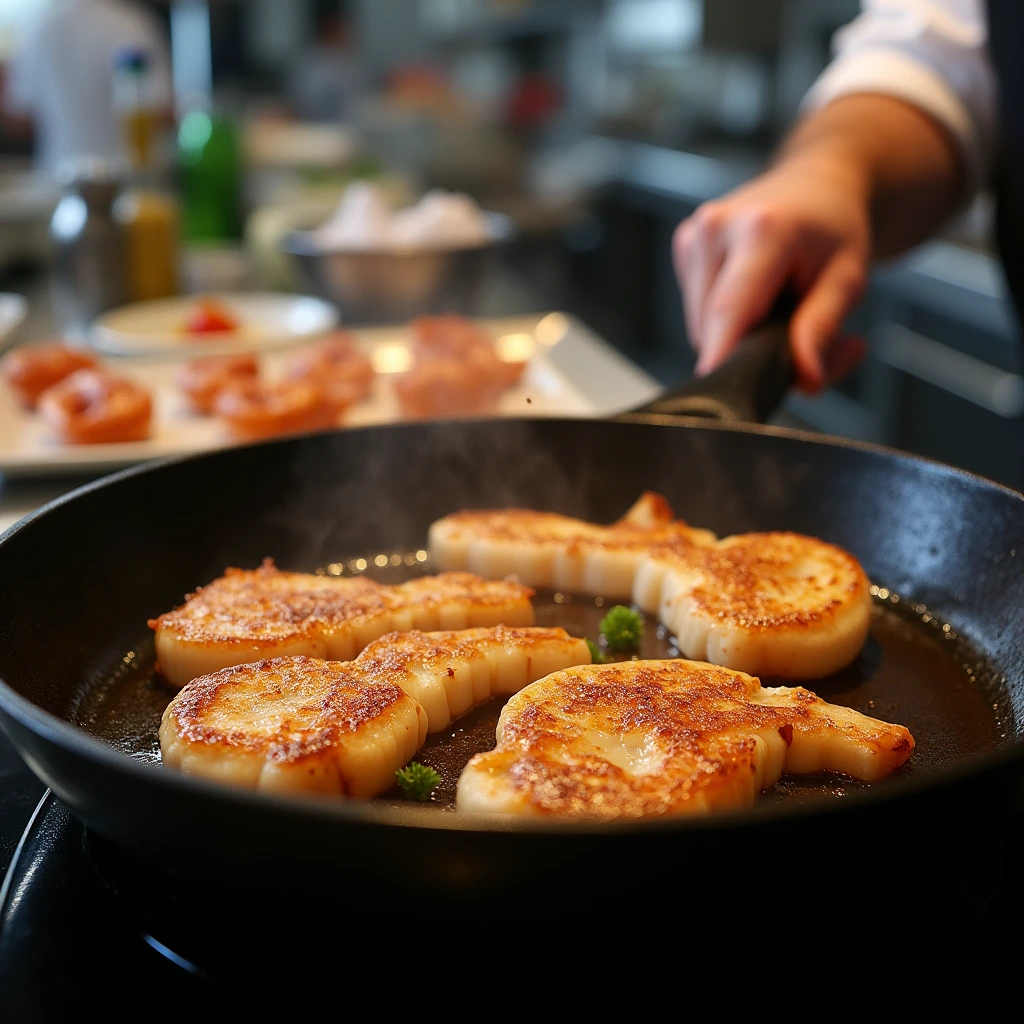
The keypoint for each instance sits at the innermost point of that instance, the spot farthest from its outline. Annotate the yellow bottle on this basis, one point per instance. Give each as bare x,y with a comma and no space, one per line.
152,242
148,214
139,129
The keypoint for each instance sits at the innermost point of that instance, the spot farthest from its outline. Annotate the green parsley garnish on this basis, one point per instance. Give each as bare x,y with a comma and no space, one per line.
622,628
596,657
416,780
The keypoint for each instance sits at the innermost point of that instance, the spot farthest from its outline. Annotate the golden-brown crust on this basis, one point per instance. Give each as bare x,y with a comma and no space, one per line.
752,579
391,656
649,511
334,703
528,527
267,605
779,603
649,695
755,580
302,723
678,737
461,586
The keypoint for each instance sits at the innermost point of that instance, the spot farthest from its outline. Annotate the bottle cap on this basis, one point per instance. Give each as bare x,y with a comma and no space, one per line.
131,58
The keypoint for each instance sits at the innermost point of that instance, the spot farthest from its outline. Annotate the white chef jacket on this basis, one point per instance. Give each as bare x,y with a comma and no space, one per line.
62,77
931,53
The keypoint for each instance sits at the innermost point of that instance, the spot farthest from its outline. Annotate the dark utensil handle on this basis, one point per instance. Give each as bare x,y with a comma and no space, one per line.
746,388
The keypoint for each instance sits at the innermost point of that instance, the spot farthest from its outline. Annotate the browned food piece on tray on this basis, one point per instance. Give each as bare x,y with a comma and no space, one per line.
31,369
446,337
97,407
445,388
253,409
201,380
666,738
247,615
455,371
336,365
459,339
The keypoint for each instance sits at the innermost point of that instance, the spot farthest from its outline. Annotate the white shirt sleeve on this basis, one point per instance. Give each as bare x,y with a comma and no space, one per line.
931,53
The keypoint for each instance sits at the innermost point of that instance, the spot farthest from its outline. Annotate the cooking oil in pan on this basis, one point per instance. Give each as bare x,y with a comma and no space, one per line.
913,669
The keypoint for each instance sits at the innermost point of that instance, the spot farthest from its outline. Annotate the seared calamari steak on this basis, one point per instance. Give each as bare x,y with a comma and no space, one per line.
250,615
665,738
299,723
775,604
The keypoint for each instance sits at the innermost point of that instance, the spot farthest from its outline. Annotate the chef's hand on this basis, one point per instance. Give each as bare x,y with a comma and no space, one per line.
865,176
806,225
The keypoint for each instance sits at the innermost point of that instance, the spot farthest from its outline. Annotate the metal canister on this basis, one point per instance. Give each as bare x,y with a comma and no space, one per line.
90,258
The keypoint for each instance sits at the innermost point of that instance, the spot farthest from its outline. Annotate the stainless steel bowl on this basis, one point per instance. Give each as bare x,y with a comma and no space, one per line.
390,286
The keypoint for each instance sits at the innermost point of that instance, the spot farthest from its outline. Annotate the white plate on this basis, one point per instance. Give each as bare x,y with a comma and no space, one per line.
571,372
266,320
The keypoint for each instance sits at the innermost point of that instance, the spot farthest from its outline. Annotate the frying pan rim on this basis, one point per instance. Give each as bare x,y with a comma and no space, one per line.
81,743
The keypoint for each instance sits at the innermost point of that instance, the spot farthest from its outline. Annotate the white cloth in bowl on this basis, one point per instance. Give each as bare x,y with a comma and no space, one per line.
440,220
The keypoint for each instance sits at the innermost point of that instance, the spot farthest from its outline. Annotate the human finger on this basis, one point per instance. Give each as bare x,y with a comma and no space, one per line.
819,317
698,251
757,267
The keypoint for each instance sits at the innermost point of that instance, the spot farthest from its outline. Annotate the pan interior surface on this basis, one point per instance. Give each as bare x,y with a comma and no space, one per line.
912,671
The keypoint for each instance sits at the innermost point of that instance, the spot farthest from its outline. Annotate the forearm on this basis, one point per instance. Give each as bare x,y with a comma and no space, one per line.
893,157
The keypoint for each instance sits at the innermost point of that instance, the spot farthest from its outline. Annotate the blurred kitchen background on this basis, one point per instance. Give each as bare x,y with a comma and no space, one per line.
595,125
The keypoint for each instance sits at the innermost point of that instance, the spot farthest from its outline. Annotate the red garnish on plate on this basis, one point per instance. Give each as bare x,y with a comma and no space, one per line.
210,317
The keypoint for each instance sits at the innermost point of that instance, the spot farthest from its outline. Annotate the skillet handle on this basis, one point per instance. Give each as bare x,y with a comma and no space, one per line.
746,388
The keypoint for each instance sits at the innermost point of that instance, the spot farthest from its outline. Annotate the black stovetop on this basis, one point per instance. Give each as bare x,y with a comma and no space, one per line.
85,926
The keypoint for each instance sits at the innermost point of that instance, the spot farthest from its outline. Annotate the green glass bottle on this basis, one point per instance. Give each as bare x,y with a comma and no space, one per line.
210,177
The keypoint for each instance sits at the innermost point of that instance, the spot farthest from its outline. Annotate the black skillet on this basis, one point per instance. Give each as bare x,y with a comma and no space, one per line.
80,577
